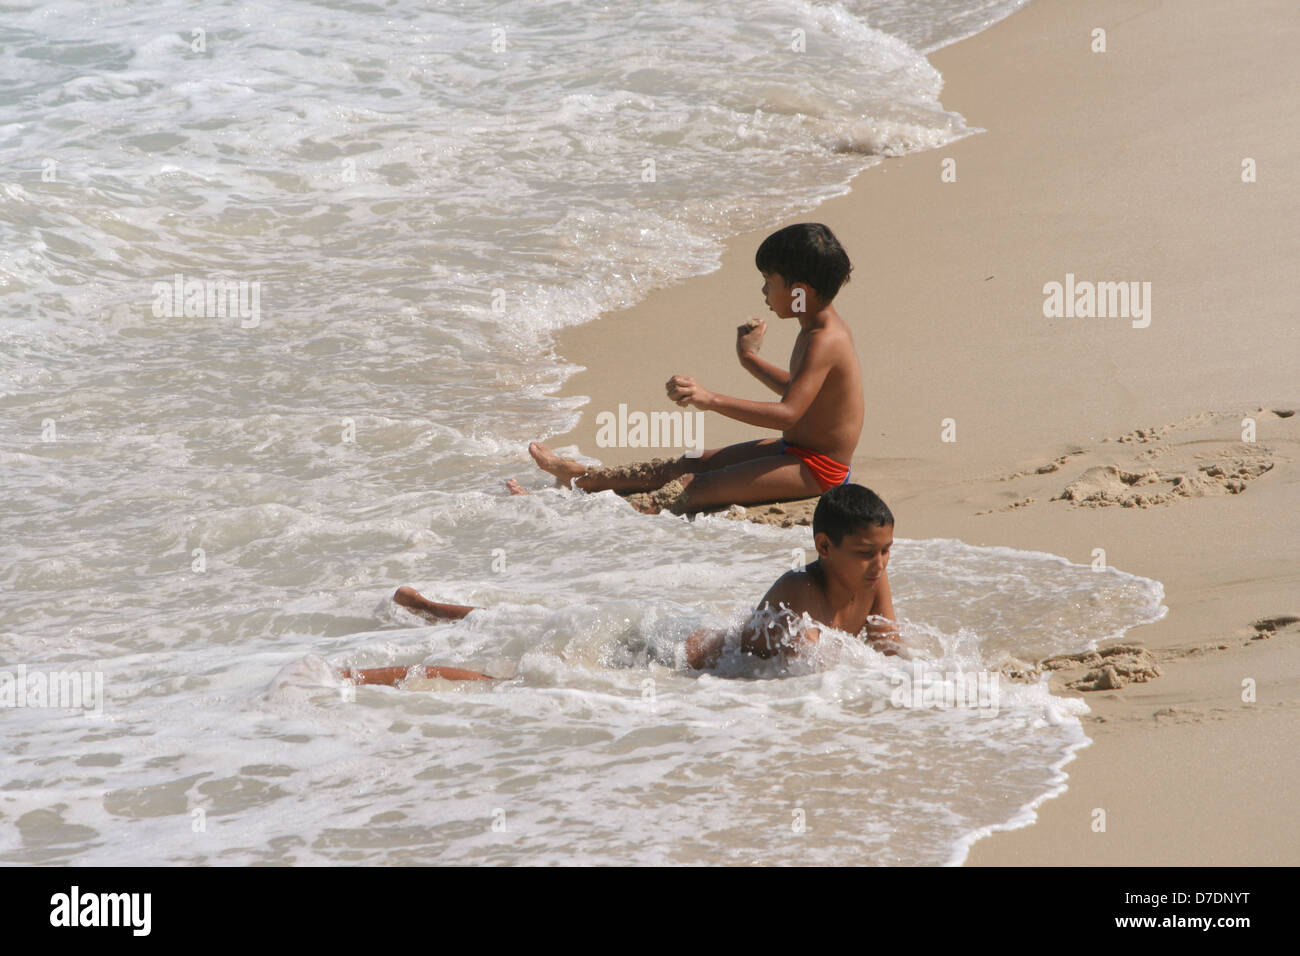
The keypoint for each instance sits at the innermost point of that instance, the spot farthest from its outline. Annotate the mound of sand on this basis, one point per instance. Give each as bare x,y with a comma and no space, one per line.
1107,669
1226,474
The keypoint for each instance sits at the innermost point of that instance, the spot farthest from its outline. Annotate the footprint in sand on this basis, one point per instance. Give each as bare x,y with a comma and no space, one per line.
1265,627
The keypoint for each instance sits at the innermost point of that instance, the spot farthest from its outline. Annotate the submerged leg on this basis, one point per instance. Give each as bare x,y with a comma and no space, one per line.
409,597
392,676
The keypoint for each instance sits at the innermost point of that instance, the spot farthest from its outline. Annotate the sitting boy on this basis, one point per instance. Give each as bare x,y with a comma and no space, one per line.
819,415
853,531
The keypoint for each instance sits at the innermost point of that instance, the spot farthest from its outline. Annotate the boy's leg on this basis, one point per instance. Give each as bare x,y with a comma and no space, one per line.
756,481
717,458
646,476
392,676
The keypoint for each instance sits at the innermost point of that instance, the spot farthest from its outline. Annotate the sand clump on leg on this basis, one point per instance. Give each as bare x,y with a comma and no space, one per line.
671,497
633,470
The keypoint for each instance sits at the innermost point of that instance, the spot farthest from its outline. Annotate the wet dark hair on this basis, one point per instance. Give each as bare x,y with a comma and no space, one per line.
806,252
846,509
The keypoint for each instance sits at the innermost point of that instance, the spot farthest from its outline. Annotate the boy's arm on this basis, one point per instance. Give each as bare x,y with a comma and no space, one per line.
777,379
884,636
787,593
749,339
781,415
704,647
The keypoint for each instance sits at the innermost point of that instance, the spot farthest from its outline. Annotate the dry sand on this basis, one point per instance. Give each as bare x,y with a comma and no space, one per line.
1075,434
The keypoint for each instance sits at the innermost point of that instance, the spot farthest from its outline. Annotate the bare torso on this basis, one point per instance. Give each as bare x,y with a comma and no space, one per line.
851,617
832,424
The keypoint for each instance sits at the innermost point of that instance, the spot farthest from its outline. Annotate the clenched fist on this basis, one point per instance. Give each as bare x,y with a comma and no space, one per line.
684,390
749,336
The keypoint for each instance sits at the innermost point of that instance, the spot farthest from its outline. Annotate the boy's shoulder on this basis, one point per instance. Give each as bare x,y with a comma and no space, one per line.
833,337
800,590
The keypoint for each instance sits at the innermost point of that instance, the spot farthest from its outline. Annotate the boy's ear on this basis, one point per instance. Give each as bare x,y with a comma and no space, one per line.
822,542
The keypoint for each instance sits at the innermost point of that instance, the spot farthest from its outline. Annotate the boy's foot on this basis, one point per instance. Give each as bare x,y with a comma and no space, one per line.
408,596
564,469
411,599
515,488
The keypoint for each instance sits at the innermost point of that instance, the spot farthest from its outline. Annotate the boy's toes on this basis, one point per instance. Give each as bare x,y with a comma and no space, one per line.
515,488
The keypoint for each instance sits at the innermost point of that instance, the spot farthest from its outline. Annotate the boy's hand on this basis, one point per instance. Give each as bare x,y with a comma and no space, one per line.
749,336
683,390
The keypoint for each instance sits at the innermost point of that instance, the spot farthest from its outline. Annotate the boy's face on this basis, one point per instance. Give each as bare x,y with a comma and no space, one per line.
780,298
860,559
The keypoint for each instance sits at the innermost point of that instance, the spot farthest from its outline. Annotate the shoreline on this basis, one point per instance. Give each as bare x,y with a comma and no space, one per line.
1076,435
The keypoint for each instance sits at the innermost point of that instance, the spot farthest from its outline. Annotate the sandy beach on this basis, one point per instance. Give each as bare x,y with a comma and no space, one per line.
1165,436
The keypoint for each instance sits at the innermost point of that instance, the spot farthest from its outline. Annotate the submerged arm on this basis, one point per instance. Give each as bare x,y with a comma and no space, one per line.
884,635
787,601
774,627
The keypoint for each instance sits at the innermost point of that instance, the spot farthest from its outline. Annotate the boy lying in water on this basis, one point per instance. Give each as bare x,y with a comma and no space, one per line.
845,588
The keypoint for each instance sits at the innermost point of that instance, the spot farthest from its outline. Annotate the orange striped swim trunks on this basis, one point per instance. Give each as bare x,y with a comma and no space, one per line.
827,471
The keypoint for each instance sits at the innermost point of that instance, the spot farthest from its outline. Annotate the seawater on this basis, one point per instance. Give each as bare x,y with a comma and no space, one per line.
421,195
